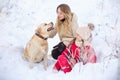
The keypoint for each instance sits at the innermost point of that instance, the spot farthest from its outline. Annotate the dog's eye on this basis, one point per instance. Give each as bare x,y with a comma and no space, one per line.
45,24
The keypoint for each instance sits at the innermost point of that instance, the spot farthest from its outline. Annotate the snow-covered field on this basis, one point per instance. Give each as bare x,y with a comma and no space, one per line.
19,19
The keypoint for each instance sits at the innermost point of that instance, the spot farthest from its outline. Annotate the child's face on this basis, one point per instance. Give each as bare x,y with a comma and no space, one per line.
78,38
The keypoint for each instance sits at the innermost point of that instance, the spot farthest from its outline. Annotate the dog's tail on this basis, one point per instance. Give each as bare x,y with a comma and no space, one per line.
91,26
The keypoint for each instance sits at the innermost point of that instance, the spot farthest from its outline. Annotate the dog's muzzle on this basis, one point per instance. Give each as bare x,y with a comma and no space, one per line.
49,29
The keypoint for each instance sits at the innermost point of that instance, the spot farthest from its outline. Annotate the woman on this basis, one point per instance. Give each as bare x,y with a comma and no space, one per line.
66,26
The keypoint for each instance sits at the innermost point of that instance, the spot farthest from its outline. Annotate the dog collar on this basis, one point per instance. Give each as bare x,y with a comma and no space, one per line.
40,36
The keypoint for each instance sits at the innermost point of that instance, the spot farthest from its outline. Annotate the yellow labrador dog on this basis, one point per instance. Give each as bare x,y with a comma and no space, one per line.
37,48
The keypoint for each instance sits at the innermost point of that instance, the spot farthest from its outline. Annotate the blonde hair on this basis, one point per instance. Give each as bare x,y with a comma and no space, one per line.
68,19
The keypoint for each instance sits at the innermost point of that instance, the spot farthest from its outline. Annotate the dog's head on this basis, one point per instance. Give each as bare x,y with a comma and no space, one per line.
44,29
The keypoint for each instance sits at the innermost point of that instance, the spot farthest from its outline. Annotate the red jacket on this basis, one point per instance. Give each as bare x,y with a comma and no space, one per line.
72,55
68,58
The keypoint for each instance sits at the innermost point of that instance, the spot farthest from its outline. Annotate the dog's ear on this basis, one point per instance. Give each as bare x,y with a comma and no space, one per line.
91,26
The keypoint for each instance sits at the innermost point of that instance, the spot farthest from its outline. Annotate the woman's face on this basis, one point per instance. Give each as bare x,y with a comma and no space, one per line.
60,14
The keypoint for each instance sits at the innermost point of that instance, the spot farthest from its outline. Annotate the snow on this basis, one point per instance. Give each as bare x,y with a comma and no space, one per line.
19,19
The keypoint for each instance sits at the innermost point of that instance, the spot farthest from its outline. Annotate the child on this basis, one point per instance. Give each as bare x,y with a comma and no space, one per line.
78,50
87,52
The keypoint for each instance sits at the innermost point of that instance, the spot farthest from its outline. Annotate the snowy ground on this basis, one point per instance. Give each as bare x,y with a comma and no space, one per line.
19,19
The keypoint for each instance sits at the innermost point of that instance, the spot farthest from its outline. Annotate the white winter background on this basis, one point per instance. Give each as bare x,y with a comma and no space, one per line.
19,19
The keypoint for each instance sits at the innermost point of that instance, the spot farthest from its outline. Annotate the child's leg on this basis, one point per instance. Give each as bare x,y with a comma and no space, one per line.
91,55
93,59
63,62
67,69
57,66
